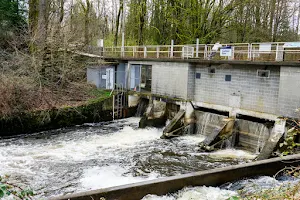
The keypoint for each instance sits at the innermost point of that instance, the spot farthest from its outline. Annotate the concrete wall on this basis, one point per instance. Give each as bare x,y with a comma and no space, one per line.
245,90
169,78
93,76
96,74
246,93
289,91
191,82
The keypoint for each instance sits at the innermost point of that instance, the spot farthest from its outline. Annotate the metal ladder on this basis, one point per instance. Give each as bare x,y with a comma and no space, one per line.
118,101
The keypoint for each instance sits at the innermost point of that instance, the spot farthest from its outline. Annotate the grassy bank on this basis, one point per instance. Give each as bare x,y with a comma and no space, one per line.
96,108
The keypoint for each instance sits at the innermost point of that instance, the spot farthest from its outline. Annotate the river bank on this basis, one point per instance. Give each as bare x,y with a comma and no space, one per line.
96,109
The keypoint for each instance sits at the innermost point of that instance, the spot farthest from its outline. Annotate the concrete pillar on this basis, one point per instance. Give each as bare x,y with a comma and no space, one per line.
235,104
190,118
133,100
155,115
189,113
276,134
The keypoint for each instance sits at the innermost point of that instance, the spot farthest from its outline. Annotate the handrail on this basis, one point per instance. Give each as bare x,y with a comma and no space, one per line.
264,51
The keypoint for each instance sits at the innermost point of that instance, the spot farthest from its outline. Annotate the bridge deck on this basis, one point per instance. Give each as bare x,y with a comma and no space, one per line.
206,62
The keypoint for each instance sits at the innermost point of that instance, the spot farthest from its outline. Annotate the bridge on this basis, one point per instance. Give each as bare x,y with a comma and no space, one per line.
257,80
268,51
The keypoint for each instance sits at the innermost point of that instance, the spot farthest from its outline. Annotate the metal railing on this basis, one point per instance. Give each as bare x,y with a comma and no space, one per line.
271,51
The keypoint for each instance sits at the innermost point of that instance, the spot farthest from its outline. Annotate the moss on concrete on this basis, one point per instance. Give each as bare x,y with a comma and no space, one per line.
97,110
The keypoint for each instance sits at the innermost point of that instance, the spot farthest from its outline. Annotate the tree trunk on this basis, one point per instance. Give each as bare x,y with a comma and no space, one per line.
87,22
118,23
33,16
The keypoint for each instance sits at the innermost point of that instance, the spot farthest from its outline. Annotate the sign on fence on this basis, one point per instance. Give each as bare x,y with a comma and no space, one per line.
226,51
187,52
265,48
292,45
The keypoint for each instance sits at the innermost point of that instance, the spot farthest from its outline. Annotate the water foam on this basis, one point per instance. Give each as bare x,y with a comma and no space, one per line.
109,176
99,156
232,153
199,193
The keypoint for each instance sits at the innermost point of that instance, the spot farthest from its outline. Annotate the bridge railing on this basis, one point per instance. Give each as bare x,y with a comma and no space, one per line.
272,51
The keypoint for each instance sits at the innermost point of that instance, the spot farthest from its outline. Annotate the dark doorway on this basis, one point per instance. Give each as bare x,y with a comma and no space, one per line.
146,78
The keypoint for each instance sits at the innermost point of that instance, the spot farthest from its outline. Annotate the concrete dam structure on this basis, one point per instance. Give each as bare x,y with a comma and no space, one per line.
258,89
228,97
231,105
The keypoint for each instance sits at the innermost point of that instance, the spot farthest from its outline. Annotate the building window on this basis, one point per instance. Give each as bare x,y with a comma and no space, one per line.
198,75
263,73
228,78
211,70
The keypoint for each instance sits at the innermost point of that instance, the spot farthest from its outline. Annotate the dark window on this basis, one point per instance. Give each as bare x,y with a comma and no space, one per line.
198,75
263,73
227,77
211,70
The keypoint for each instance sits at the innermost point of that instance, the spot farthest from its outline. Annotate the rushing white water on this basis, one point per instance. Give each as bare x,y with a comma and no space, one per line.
100,155
199,193
239,188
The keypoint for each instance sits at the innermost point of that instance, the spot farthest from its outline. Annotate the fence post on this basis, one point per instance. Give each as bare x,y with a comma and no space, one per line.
277,51
122,51
172,49
133,52
145,52
157,52
249,51
205,52
197,48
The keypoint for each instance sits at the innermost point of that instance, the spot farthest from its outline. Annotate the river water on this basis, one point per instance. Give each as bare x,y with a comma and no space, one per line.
102,155
241,188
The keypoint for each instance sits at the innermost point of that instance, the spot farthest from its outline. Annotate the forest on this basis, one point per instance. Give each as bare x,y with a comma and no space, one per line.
36,36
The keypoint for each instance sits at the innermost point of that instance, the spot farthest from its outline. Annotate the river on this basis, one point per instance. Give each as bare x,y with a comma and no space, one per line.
94,156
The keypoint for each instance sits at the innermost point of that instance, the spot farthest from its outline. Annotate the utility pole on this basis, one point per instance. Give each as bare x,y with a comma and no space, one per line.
123,30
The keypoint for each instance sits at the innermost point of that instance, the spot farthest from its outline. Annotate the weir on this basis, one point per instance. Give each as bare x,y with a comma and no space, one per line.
217,129
229,88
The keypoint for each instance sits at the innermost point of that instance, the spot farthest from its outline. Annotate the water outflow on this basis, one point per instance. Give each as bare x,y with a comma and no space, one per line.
208,122
252,135
141,107
101,155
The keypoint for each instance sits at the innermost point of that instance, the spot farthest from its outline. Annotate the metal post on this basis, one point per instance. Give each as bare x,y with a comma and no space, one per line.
197,48
157,52
249,51
172,49
145,52
113,107
205,51
277,52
